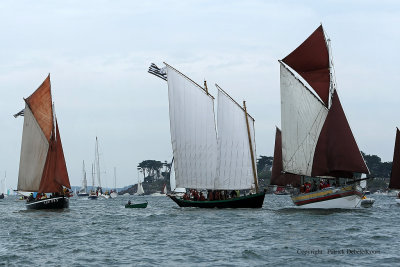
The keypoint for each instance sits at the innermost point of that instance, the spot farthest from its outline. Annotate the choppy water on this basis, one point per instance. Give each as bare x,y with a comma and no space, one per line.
91,233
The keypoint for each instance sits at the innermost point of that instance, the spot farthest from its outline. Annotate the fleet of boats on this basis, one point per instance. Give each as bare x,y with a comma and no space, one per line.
316,158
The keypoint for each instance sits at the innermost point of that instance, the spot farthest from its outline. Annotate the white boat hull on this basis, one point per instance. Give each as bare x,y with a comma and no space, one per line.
333,198
113,195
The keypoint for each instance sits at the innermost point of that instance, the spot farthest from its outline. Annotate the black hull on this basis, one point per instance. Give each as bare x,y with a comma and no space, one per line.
83,194
1,196
249,202
48,203
92,197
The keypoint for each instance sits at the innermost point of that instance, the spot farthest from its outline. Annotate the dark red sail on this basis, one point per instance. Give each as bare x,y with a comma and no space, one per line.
277,177
395,175
61,173
337,153
311,61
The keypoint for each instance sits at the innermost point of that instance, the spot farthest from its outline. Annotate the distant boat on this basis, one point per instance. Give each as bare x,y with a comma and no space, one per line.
177,191
83,191
316,138
113,193
395,174
3,186
136,205
42,166
203,159
366,200
140,191
93,195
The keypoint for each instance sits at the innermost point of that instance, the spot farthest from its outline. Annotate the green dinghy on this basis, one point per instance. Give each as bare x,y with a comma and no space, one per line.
136,205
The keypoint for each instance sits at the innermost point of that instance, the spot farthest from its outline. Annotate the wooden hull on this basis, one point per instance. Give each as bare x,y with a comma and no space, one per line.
136,206
251,201
48,203
330,198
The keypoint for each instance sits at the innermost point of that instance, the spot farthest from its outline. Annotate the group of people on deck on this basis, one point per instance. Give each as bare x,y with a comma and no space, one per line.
193,194
307,187
40,196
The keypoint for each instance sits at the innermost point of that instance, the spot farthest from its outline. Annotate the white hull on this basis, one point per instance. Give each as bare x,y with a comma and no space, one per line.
158,194
348,202
113,195
106,196
367,202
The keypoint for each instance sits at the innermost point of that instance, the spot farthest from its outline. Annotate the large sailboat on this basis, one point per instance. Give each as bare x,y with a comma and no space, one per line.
42,166
395,174
317,142
83,191
203,160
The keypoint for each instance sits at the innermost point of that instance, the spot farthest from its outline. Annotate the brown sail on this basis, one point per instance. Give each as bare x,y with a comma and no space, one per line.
40,104
395,174
61,173
277,177
311,61
337,153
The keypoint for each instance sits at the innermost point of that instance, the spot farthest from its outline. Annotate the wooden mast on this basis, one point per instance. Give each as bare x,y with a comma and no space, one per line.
253,165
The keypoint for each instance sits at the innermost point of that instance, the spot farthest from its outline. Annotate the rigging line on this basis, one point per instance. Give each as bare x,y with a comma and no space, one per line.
204,90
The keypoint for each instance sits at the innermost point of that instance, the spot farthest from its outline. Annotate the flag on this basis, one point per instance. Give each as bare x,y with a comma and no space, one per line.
161,73
21,113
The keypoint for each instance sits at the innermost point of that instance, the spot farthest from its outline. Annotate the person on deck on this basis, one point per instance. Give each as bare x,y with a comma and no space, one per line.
202,198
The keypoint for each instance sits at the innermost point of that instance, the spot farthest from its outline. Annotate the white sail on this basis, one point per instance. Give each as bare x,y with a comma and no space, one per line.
172,182
235,162
303,116
34,149
363,183
84,181
140,190
193,134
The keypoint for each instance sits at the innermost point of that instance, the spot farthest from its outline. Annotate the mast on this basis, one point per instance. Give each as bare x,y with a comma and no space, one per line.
115,178
97,162
253,165
92,177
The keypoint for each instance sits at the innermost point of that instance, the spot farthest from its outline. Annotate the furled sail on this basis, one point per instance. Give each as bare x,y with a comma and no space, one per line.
234,159
277,176
311,61
42,163
303,116
193,134
395,174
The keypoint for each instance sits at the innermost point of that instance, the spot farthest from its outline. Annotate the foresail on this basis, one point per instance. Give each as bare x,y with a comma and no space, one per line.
395,174
61,173
193,134
337,153
311,61
34,148
303,116
234,159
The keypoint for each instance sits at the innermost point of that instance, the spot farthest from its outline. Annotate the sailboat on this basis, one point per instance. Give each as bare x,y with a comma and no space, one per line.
83,191
99,189
93,193
395,174
113,193
178,191
42,166
317,142
140,191
203,160
3,187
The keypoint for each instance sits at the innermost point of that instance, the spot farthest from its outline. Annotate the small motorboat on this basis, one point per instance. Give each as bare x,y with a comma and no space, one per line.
367,202
136,205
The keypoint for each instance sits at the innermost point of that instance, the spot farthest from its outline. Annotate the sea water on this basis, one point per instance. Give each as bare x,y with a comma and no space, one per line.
104,232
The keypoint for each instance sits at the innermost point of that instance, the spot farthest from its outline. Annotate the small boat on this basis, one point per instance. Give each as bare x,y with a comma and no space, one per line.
208,155
42,166
83,191
136,205
367,202
316,142
2,196
113,193
395,174
93,195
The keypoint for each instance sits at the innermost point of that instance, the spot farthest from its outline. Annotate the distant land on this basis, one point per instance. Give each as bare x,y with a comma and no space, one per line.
156,174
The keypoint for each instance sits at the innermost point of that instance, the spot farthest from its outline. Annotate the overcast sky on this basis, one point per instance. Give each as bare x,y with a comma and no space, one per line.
98,53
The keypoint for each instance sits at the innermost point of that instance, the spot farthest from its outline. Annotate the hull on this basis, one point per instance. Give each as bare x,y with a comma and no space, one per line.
2,196
330,198
113,195
82,194
250,201
92,197
367,202
48,203
136,206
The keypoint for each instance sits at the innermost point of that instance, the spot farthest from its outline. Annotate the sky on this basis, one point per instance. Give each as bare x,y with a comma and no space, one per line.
98,53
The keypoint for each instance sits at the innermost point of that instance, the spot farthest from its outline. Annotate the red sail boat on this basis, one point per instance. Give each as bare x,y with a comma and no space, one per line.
42,166
317,142
395,174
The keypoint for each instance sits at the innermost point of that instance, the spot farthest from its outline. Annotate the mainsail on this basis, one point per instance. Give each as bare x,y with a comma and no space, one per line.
395,174
316,139
42,164
84,180
193,135
234,169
